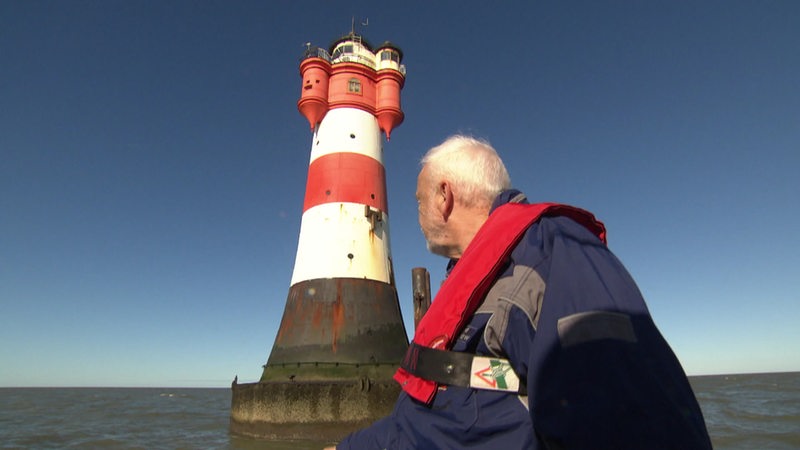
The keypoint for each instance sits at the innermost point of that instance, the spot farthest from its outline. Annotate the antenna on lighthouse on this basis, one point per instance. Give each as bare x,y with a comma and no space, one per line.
353,24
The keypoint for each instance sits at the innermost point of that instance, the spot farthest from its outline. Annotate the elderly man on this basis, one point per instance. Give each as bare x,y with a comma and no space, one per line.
538,338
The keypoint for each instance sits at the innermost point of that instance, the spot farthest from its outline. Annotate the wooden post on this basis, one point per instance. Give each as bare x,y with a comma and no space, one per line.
421,285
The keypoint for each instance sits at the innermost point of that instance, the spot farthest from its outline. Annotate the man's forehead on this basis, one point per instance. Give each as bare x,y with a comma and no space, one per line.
421,179
423,173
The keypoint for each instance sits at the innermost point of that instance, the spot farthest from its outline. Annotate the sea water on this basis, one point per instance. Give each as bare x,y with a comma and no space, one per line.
742,412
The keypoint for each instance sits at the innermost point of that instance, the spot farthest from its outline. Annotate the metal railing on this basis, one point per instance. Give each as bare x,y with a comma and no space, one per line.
316,52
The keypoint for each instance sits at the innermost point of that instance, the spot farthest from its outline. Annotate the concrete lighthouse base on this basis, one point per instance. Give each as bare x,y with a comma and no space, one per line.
309,410
330,370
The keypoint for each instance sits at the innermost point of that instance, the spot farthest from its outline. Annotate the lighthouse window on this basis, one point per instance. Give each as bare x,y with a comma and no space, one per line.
342,49
354,86
389,55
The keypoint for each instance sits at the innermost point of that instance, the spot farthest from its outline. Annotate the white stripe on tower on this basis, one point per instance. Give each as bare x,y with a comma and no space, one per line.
348,130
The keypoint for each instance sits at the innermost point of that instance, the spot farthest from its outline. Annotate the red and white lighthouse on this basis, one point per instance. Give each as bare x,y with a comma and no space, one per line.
342,308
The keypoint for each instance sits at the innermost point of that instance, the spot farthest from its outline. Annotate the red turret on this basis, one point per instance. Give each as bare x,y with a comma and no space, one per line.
313,103
388,109
390,79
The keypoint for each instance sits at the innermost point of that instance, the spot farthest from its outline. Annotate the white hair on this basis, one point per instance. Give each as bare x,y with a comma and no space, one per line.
472,166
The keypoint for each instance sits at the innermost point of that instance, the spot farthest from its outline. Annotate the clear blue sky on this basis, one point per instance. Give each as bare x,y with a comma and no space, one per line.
153,165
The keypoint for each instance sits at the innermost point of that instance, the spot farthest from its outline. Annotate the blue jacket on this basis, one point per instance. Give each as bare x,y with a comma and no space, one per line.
573,324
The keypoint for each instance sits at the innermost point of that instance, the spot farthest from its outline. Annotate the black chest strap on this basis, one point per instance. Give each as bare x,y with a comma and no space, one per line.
462,369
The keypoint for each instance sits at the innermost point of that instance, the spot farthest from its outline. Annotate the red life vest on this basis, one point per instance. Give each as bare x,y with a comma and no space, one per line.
470,280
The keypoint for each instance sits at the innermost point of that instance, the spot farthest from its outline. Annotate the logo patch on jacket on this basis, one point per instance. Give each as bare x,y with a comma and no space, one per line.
493,373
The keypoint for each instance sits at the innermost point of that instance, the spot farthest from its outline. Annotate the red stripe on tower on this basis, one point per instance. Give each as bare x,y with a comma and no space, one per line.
346,177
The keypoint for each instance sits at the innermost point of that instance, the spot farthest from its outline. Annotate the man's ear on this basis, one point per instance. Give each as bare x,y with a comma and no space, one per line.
446,199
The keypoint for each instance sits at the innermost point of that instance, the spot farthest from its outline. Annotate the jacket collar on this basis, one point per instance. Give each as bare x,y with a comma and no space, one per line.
507,196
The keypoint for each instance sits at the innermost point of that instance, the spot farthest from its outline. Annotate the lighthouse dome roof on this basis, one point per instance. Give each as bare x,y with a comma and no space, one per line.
350,37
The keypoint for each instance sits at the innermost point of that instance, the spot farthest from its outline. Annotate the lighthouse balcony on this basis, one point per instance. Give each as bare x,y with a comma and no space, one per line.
316,52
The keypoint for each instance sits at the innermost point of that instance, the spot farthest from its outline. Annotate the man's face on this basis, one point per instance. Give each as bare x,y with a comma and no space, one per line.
430,218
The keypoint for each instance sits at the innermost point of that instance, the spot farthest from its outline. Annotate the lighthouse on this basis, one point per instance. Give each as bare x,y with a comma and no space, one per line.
342,305
342,335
